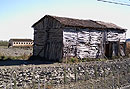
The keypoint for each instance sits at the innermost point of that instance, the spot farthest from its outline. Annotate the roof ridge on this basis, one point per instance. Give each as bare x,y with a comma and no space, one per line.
83,23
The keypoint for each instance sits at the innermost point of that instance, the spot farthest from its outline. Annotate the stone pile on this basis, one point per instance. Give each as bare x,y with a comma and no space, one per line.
58,73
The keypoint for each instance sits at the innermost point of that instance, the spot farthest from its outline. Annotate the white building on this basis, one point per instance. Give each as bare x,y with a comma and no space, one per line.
20,42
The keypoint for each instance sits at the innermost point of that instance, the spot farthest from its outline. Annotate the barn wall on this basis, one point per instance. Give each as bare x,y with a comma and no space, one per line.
117,40
83,43
54,45
90,43
39,40
116,36
48,39
70,41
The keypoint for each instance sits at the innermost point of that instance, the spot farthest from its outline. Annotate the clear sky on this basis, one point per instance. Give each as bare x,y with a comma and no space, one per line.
17,16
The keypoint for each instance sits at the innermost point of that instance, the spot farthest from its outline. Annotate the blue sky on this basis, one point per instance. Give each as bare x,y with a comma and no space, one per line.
17,16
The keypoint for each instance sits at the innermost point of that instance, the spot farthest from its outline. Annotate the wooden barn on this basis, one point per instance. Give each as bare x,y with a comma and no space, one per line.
58,37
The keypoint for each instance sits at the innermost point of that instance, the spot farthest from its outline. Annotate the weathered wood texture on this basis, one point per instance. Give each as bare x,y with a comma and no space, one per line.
82,43
48,40
87,43
116,36
57,37
54,45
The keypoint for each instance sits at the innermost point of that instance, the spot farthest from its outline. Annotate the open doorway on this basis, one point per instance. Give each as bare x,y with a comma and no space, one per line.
108,49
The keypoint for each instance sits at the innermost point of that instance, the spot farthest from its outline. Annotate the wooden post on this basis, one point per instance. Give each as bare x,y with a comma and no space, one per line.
110,49
119,48
125,48
76,43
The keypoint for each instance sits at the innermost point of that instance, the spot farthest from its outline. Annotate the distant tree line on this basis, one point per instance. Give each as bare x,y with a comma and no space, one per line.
3,43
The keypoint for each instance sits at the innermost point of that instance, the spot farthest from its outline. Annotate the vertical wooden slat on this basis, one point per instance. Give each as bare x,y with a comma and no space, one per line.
119,48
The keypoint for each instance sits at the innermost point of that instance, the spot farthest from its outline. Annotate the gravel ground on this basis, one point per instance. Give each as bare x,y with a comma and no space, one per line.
5,51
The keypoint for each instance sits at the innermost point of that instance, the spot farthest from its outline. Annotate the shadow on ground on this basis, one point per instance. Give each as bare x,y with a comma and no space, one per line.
11,62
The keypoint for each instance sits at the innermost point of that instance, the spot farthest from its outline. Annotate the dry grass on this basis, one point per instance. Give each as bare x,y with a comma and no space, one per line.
77,60
22,57
14,53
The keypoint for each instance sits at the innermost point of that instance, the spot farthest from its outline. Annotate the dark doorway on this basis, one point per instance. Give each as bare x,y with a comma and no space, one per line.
108,50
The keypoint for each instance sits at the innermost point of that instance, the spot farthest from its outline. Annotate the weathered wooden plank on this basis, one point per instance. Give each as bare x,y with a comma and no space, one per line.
115,36
73,41
82,40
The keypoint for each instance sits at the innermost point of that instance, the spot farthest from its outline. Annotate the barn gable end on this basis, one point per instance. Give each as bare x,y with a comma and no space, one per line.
47,38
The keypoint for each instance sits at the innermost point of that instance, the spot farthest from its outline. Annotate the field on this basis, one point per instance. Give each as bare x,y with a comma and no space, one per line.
15,53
